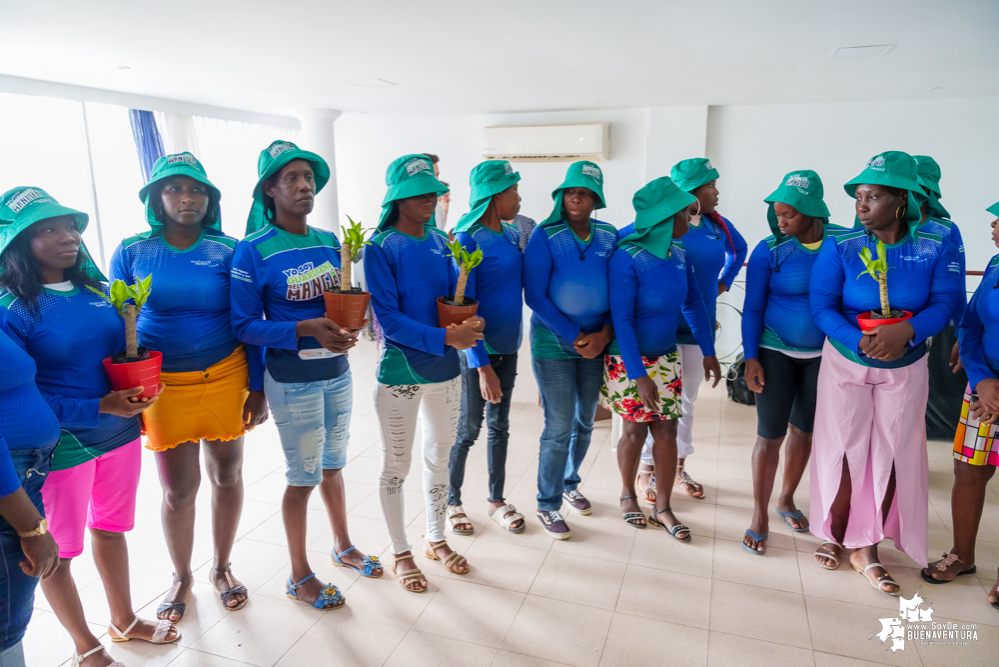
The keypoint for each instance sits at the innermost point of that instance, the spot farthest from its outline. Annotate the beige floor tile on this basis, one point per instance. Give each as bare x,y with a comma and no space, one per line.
982,646
845,585
603,540
734,492
192,658
760,613
204,611
512,567
731,524
419,649
507,659
666,596
46,643
777,568
964,598
346,641
725,649
470,612
655,548
559,631
634,641
845,629
830,660
578,579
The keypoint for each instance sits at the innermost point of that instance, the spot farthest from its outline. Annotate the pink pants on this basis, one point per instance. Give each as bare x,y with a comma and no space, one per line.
97,494
875,418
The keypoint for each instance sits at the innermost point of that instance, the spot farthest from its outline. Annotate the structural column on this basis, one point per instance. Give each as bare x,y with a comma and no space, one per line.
318,137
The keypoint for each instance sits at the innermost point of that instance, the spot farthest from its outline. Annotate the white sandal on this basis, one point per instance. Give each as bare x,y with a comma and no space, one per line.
163,629
78,659
504,517
879,581
828,555
453,520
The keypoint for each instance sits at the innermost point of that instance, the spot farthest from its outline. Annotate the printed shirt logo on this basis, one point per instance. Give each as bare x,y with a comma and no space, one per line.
27,196
185,158
281,147
592,172
876,163
416,165
310,281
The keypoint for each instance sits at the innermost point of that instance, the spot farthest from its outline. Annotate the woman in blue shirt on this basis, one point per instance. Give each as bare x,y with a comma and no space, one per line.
214,386
782,345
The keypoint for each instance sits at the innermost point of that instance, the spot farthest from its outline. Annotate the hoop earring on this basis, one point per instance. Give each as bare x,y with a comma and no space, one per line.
899,213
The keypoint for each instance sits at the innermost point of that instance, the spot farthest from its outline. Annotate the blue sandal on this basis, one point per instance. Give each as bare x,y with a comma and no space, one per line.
759,538
370,563
330,598
797,515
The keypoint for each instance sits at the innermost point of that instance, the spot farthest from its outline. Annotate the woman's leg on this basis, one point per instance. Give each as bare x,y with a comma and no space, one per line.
589,378
469,426
799,442
224,461
556,382
691,360
967,501
61,592
664,455
629,452
439,410
498,422
180,476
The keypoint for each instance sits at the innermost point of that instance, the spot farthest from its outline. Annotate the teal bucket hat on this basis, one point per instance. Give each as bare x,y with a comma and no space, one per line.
693,173
409,176
655,205
893,169
181,164
994,209
24,206
487,179
929,178
803,190
582,174
271,160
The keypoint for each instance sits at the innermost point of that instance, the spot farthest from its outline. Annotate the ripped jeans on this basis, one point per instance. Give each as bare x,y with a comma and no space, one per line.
398,407
313,421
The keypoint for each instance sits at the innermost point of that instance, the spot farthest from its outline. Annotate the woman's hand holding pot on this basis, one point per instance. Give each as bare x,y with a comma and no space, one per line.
125,404
888,342
330,335
465,335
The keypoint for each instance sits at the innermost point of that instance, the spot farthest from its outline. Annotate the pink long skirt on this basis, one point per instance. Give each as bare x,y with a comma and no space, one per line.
874,417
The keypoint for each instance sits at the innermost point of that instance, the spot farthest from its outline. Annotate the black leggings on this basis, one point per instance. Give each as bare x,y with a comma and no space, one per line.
788,393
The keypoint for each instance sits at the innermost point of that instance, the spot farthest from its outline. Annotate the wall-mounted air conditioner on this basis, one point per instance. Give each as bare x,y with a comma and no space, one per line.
547,143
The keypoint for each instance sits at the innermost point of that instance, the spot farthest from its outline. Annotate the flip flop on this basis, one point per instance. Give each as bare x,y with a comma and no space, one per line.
759,538
947,561
797,515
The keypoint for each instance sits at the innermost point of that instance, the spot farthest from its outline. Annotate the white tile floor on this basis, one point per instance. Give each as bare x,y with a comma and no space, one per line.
612,595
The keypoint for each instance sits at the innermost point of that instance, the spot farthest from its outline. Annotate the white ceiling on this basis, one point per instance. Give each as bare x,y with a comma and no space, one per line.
467,56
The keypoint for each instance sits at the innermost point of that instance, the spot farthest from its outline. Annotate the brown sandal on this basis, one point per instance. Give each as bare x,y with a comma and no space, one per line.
408,576
451,561
945,564
648,491
232,591
687,483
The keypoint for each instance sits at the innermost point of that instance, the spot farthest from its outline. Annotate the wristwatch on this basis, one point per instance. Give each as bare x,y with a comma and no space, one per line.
41,529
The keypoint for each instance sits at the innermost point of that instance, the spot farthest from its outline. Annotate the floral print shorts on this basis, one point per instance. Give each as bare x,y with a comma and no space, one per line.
622,393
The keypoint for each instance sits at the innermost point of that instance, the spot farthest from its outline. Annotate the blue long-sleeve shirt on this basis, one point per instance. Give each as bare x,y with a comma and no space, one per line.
715,260
949,231
187,314
776,313
68,340
497,284
406,276
647,296
566,285
283,276
924,278
978,333
26,420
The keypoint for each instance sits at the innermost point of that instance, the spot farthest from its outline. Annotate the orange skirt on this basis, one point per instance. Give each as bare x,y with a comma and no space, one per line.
199,405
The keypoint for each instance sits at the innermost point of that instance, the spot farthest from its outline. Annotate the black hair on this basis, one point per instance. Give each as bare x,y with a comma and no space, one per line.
433,158
393,215
21,275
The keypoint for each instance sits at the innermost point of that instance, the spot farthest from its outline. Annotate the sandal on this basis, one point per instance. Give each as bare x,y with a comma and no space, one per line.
633,518
371,564
822,552
501,515
879,581
649,491
678,528
689,486
233,591
172,605
330,598
454,520
797,515
408,576
994,589
757,537
450,561
78,659
943,565
163,630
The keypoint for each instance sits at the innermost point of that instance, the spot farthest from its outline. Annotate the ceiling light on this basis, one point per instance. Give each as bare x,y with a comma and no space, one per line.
862,51
123,67
370,83
933,88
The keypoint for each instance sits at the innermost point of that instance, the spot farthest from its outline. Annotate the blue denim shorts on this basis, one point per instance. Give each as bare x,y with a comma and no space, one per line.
313,421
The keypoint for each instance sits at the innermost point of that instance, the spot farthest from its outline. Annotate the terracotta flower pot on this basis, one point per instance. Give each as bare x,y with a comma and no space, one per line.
866,322
145,373
448,314
347,309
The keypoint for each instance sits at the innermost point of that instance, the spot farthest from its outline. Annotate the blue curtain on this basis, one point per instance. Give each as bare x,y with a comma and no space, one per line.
147,140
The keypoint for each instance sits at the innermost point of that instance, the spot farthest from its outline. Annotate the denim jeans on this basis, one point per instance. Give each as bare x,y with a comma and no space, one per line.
470,424
13,656
313,422
17,590
570,389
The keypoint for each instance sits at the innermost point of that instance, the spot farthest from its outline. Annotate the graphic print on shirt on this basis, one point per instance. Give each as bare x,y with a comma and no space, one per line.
309,281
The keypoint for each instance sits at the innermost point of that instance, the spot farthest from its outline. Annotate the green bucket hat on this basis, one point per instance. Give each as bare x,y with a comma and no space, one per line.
181,164
929,178
655,205
271,160
409,176
693,173
24,206
487,179
994,209
894,169
582,174
802,190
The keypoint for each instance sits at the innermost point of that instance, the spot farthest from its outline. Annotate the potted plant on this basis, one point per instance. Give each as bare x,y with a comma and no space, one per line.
348,306
878,269
457,308
134,366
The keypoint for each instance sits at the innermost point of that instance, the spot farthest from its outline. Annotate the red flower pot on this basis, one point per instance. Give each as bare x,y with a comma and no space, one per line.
346,309
867,323
145,373
448,314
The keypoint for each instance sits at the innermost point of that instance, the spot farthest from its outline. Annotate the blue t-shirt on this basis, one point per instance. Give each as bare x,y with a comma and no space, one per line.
715,260
497,284
978,333
187,314
776,313
69,338
646,315
566,285
924,278
949,231
283,276
406,276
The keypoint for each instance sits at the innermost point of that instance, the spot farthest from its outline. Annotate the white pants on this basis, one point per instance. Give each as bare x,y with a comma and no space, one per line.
398,407
692,372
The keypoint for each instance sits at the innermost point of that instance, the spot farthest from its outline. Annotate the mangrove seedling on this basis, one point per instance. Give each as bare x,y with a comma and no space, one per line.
877,269
120,296
466,261
353,241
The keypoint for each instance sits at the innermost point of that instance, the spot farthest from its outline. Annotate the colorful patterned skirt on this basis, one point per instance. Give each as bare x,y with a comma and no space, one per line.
974,442
622,393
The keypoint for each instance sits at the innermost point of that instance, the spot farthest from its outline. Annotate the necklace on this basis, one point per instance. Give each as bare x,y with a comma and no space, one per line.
581,250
